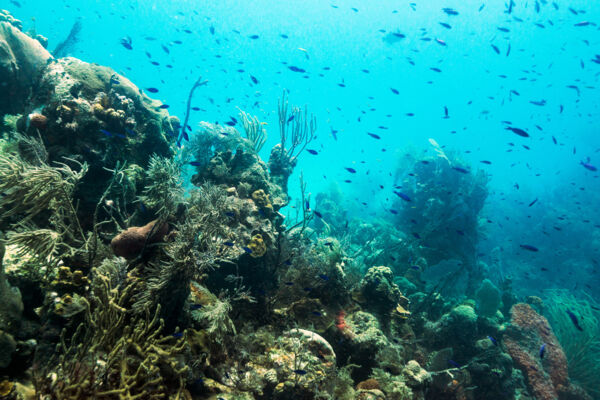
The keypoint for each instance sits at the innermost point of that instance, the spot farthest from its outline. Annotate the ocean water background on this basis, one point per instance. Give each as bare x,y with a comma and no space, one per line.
343,43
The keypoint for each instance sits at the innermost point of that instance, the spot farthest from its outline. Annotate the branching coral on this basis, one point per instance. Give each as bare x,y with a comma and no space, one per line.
164,191
296,130
194,250
214,315
255,133
66,46
113,355
582,347
31,190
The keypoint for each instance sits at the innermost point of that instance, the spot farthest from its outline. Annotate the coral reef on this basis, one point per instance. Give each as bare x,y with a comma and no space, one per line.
11,309
581,347
442,219
22,61
380,292
126,278
233,163
488,298
535,349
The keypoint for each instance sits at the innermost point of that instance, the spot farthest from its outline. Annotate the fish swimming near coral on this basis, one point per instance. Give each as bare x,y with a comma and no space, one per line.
575,320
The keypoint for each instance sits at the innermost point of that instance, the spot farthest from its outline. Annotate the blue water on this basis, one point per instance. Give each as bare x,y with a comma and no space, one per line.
342,42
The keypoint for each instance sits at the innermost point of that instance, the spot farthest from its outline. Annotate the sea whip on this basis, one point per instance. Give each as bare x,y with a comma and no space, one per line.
198,83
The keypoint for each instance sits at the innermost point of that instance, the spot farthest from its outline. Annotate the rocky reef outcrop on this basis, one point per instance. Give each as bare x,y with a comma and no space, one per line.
83,113
22,61
533,346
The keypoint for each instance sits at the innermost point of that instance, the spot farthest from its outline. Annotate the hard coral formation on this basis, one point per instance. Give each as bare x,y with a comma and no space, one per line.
488,298
380,292
22,60
545,369
83,111
257,246
11,310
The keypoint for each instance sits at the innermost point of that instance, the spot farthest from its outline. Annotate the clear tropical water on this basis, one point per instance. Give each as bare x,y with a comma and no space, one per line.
543,57
383,78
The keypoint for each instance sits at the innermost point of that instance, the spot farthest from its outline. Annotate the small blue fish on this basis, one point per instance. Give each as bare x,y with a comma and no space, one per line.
230,244
177,335
300,371
296,69
230,214
313,152
453,363
528,247
195,307
461,170
493,340
589,166
518,131
351,170
542,350
402,195
574,319
195,163
107,133
152,90
247,249
164,106
395,91
289,283
318,214
126,42
324,277
374,136
450,11
316,313
253,37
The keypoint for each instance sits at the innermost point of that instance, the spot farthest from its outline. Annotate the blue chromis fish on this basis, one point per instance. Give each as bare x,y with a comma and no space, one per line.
402,195
574,319
493,340
528,247
542,350
300,371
